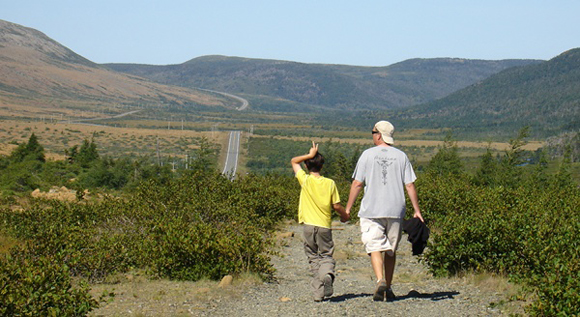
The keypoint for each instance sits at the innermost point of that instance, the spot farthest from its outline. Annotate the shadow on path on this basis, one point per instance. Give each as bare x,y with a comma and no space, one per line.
432,296
412,294
342,298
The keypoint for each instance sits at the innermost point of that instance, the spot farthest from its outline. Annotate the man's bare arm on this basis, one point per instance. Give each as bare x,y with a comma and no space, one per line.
412,192
355,189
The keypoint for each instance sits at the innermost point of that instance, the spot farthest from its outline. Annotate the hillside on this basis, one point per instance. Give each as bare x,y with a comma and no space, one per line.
334,86
36,71
545,96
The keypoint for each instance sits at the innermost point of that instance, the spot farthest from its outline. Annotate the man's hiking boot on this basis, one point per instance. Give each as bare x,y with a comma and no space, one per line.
390,295
380,290
327,281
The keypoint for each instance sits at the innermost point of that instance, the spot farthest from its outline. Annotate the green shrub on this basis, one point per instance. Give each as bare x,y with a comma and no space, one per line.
201,225
40,286
528,233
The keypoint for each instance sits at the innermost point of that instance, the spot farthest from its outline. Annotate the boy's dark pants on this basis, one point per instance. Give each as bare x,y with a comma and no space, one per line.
319,248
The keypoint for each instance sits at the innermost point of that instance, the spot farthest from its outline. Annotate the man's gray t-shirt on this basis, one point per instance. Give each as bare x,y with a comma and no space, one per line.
384,170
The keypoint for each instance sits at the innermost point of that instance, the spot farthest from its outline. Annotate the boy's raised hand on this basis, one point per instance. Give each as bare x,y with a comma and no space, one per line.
313,150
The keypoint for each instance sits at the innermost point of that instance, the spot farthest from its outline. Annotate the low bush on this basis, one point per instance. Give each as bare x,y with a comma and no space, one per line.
200,225
528,233
40,286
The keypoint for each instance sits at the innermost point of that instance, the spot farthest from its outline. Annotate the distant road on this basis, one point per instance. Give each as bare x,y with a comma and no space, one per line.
244,102
84,121
231,163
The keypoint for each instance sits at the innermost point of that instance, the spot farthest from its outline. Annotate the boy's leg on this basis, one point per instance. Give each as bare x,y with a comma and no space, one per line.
327,262
311,251
326,251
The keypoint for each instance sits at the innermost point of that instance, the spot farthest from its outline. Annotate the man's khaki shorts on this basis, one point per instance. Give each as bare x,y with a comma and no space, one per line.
380,234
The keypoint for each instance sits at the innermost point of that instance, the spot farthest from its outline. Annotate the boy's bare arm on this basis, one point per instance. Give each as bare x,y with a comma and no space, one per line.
295,161
341,211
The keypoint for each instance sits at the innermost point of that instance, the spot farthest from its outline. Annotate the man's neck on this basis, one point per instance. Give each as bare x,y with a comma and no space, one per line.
317,174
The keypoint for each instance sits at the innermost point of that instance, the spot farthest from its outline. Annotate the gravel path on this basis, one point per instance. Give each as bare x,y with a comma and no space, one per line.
418,292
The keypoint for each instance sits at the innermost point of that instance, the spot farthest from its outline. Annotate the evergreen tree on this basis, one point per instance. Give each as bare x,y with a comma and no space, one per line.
353,160
87,153
539,177
486,173
29,151
564,176
512,160
447,160
205,156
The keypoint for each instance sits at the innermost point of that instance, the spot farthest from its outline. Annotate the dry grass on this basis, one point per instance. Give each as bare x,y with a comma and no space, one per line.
56,137
498,146
6,243
180,139
490,282
136,295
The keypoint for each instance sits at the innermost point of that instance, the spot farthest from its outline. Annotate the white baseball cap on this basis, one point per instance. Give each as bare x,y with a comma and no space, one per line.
386,129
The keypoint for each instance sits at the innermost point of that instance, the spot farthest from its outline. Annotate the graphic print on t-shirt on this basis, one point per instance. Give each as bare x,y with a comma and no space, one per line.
384,163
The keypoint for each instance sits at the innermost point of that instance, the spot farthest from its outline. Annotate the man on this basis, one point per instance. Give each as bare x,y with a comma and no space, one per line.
385,172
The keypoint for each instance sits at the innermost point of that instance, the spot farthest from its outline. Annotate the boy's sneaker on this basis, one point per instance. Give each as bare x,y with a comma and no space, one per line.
327,281
380,291
390,295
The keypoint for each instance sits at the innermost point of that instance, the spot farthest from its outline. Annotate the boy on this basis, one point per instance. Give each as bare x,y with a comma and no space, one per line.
318,197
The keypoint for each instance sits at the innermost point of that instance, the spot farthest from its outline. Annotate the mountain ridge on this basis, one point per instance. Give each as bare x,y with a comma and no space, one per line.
37,71
544,96
329,85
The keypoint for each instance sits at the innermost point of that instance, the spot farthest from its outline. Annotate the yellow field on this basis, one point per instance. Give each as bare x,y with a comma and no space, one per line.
498,146
177,143
56,137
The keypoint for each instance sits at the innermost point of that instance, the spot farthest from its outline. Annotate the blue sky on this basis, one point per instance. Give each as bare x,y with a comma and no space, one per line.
365,33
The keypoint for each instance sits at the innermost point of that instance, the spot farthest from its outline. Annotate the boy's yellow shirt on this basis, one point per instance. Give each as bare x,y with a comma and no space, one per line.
316,198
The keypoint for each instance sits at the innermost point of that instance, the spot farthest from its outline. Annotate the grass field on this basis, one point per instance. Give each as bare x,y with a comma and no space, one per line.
176,139
111,141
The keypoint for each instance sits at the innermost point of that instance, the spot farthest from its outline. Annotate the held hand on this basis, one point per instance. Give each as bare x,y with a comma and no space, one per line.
418,215
345,216
313,150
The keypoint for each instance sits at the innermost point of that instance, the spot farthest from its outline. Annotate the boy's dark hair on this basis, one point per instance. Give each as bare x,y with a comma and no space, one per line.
315,164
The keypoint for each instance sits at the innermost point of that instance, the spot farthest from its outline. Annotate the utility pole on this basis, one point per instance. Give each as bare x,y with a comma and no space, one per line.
158,156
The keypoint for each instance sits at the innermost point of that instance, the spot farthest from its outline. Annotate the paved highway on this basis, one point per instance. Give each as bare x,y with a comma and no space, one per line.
244,102
231,163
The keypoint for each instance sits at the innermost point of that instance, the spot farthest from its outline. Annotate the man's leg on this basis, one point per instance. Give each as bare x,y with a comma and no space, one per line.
377,263
381,285
394,236
375,241
389,267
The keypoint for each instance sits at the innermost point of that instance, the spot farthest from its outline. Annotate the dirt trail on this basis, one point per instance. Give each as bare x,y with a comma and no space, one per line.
418,292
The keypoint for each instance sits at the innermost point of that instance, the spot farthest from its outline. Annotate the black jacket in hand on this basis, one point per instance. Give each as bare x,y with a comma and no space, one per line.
418,234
